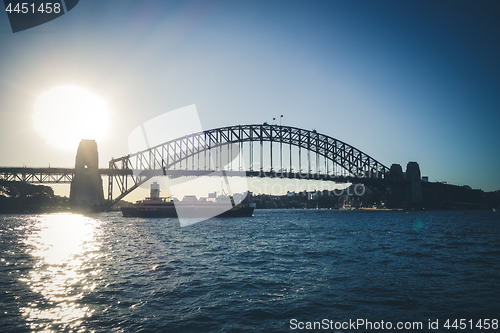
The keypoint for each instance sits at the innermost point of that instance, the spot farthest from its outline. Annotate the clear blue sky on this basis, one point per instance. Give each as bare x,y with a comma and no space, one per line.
400,80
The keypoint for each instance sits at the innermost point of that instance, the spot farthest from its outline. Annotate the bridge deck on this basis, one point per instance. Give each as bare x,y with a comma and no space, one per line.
65,175
50,175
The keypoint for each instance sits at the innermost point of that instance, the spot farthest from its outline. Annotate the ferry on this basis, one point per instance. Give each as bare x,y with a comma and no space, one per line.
189,207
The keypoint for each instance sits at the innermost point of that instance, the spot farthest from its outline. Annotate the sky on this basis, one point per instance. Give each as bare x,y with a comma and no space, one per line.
401,81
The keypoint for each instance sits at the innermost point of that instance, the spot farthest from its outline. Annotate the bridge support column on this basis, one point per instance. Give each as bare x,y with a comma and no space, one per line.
414,187
397,187
86,188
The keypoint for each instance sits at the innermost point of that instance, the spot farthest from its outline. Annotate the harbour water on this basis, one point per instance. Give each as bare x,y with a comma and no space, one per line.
279,271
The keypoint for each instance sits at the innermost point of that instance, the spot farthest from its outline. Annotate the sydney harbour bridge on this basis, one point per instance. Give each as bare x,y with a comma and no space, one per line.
260,150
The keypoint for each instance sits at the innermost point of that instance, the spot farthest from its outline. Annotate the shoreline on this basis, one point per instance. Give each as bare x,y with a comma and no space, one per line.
361,209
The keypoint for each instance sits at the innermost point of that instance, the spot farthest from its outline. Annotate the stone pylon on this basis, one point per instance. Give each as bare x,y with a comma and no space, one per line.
397,187
414,184
86,188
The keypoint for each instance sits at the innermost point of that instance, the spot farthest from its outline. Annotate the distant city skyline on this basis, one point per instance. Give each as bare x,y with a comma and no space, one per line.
413,81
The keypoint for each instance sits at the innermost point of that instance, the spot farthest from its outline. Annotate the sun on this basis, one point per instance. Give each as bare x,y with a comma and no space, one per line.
65,115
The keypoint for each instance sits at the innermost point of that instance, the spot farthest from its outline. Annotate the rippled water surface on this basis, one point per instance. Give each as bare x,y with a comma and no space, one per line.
105,273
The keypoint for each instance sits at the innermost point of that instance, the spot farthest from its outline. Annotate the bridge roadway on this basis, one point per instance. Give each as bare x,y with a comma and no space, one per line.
65,175
50,175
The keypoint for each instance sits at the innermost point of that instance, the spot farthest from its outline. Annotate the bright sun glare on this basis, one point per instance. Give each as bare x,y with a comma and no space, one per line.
65,115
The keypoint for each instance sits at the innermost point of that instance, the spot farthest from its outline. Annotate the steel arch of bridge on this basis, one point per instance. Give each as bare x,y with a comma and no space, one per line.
168,158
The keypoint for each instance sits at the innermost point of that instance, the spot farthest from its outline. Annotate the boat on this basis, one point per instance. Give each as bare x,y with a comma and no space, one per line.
189,207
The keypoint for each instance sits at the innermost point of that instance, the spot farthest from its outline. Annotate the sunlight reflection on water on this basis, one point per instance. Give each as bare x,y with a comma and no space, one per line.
61,244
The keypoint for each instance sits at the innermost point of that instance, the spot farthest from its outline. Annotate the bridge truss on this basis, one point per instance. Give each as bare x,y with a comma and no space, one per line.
252,150
38,175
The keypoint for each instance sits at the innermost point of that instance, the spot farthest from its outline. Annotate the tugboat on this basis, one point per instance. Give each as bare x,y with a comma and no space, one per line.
155,206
